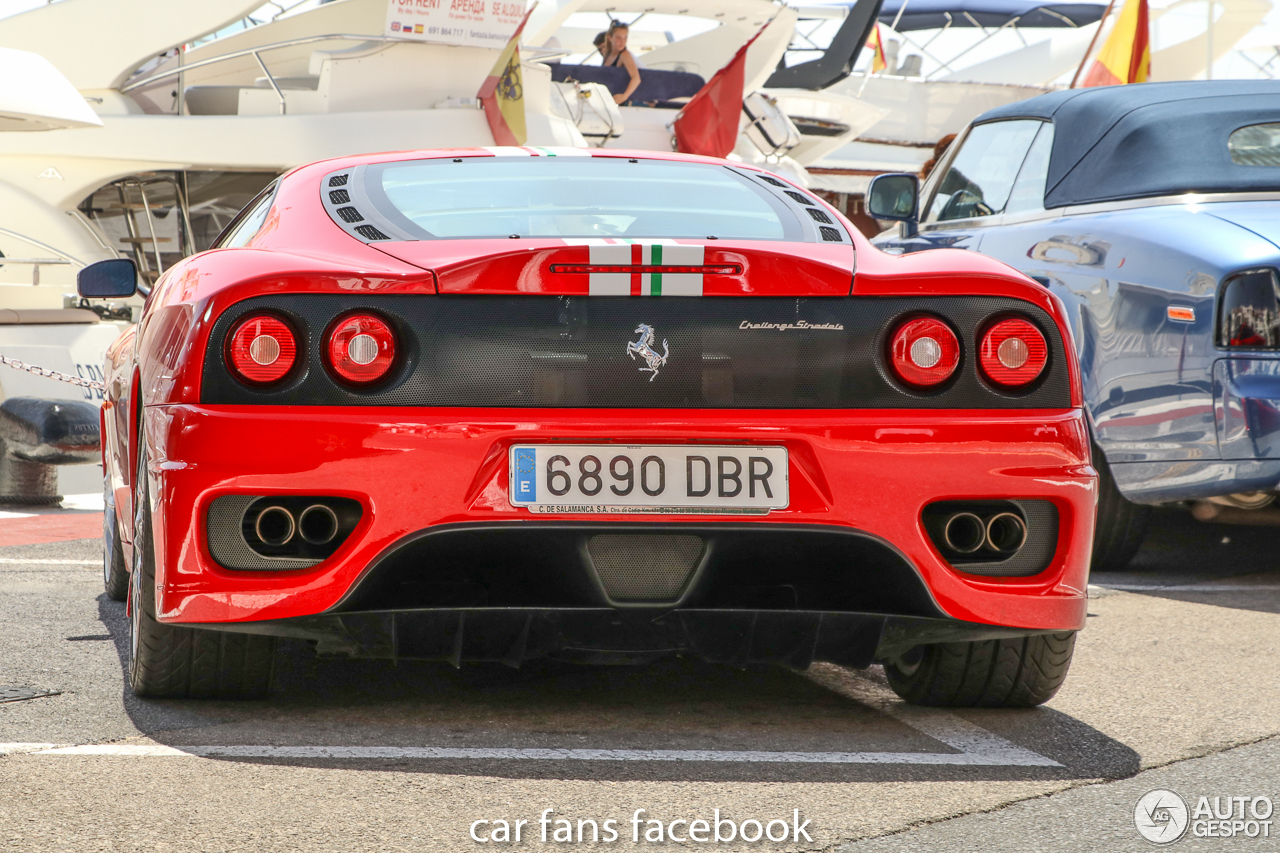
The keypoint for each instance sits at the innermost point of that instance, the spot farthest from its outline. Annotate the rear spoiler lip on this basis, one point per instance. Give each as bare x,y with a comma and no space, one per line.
510,266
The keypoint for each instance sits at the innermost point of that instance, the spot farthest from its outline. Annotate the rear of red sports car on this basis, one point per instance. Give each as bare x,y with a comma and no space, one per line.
488,406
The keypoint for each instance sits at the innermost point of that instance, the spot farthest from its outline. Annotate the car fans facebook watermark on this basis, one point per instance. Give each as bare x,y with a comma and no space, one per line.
1163,817
641,827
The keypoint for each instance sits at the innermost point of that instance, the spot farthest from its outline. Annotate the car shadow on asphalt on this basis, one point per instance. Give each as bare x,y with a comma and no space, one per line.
673,704
1180,552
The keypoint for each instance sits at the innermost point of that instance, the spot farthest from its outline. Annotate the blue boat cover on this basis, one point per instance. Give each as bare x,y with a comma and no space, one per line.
654,85
1149,139
934,14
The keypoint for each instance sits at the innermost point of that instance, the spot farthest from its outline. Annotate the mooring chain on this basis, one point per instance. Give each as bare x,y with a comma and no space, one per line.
52,374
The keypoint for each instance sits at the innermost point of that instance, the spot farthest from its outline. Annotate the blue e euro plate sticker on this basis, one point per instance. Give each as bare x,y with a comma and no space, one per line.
526,479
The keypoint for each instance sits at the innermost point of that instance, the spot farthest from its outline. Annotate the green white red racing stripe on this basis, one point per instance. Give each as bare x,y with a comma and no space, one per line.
643,253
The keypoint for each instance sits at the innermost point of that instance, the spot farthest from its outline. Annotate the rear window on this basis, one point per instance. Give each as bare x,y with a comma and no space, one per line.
576,197
1256,145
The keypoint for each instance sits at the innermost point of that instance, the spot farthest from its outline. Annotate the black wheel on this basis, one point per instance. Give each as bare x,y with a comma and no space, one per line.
1121,524
115,573
175,661
1017,673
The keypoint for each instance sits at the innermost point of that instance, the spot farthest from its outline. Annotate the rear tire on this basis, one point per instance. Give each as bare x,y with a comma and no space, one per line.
1121,523
115,573
1018,673
177,662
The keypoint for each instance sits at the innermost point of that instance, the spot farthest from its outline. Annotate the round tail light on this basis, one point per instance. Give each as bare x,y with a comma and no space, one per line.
361,349
924,352
262,349
1013,353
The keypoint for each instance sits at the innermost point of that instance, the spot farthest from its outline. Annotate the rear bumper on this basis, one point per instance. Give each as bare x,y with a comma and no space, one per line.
1246,406
1246,412
866,474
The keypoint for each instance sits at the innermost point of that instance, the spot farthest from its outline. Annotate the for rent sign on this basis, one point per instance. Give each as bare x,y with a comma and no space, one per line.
476,23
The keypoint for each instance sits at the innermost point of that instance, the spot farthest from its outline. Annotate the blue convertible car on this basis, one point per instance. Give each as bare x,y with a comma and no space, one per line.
1153,211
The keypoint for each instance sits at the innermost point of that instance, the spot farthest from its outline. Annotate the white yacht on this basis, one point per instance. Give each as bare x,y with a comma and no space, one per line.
180,113
948,61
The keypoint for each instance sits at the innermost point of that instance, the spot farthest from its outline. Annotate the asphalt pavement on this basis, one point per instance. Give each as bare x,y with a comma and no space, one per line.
1174,686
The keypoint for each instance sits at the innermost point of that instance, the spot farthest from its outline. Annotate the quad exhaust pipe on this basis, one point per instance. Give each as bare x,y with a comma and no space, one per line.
276,525
318,524
966,533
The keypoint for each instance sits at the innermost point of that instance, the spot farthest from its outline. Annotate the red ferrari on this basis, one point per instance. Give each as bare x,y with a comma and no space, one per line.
600,406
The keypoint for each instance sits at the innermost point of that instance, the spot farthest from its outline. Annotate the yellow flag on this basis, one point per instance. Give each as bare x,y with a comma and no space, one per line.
1126,57
502,93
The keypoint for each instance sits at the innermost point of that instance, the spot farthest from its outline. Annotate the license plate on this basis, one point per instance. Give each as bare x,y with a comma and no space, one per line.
610,478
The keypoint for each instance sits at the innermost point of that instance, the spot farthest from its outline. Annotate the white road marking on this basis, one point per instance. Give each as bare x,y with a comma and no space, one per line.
974,745
19,748
962,735
1202,586
1015,757
20,561
84,502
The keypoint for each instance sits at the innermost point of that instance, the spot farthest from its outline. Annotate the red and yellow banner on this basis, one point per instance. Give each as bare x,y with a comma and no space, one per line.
1126,56
502,93
876,44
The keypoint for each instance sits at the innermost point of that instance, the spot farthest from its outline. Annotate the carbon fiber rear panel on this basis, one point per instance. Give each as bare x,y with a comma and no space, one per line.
562,352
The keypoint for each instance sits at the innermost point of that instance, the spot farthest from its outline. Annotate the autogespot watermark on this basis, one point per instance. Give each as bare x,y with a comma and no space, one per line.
641,827
1163,817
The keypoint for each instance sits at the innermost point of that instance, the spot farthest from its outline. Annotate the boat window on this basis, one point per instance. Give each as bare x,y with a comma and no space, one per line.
978,181
1256,145
579,197
1027,195
250,222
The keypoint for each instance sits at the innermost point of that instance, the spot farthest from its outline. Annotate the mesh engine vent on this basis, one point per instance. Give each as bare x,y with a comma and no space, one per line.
831,235
338,180
339,197
226,541
795,196
350,214
1036,554
818,215
370,233
644,567
774,181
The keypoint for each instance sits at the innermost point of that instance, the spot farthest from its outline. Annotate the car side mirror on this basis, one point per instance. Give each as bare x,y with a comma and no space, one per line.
894,197
110,279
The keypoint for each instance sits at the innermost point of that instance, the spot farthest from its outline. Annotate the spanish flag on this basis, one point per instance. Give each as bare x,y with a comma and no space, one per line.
502,93
878,62
1126,57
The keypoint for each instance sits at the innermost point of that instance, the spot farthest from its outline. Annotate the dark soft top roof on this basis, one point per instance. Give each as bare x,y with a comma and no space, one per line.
1149,139
935,14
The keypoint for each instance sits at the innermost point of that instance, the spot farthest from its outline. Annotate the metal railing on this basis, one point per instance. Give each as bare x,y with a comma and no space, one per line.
256,52
36,263
63,258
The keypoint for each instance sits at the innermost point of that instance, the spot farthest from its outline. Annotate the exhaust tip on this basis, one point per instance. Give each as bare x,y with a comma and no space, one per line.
318,524
274,526
964,533
1006,533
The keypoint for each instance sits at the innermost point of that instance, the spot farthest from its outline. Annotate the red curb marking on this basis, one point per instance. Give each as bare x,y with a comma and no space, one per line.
39,529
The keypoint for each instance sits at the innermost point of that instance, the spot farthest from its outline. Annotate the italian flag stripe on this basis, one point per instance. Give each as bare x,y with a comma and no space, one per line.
620,252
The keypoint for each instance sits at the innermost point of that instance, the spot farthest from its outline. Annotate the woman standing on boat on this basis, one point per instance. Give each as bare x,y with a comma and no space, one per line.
614,53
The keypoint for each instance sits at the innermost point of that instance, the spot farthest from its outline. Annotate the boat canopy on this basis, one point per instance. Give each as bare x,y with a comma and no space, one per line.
1115,143
940,14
